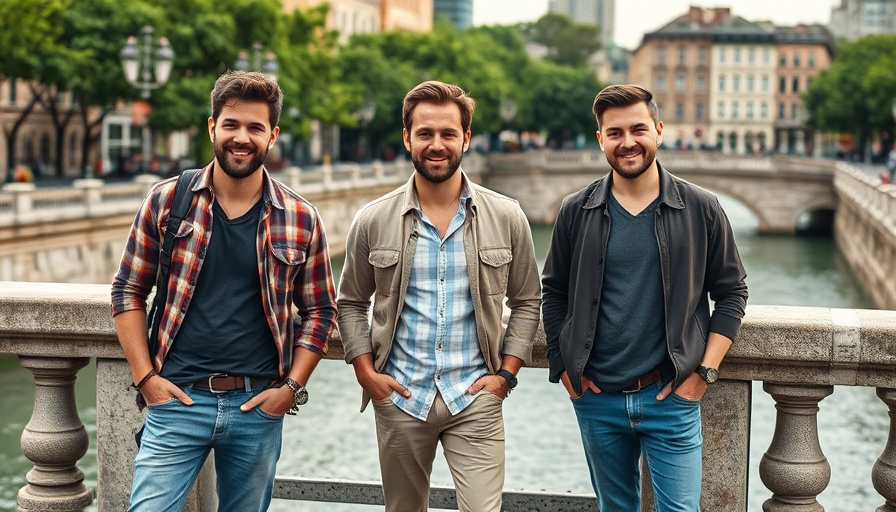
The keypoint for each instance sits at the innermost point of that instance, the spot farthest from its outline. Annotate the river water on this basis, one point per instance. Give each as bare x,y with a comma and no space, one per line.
331,439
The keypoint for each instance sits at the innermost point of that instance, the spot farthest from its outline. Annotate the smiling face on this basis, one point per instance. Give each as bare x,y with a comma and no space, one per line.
242,137
630,139
436,140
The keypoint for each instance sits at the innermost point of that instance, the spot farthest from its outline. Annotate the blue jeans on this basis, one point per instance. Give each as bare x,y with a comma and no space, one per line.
618,427
177,439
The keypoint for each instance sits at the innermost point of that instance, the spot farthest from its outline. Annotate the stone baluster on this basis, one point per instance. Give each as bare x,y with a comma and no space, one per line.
883,475
54,439
794,468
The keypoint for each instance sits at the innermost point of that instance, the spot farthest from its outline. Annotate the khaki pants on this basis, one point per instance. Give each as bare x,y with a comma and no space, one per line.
473,443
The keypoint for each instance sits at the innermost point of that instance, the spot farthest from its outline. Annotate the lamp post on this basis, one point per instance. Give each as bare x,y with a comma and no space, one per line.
146,70
507,111
364,115
264,61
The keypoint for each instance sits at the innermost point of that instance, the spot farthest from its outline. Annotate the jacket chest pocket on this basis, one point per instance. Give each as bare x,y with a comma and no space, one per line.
385,265
494,266
286,261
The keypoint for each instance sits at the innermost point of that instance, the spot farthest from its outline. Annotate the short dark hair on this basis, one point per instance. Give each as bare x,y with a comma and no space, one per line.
247,86
623,96
439,93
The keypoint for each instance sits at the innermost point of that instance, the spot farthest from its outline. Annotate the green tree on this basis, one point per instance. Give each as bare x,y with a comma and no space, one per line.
561,98
855,94
567,43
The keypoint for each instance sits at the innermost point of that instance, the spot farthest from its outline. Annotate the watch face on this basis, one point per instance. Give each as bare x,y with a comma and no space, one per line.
300,397
711,375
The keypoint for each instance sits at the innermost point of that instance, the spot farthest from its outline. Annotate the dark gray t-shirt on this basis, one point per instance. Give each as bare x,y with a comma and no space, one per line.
631,338
225,329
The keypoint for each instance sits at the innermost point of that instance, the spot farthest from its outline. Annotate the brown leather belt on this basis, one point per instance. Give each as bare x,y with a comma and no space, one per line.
643,381
221,383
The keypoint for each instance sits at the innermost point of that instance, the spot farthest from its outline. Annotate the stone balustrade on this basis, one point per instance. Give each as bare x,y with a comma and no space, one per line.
800,354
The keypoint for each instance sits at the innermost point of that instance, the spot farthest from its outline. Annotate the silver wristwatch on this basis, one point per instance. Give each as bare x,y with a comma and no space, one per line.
299,395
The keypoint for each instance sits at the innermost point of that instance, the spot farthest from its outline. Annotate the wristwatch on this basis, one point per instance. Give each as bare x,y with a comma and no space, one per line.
299,395
509,377
710,375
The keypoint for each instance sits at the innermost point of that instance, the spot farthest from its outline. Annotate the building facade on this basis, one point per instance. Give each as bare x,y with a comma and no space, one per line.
410,15
458,12
803,51
348,17
725,83
38,144
853,19
594,12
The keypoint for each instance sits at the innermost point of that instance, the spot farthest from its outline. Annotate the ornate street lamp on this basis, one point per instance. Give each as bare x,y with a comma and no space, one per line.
146,70
264,61
364,115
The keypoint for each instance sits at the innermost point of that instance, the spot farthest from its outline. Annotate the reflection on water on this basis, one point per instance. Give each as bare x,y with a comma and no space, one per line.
330,438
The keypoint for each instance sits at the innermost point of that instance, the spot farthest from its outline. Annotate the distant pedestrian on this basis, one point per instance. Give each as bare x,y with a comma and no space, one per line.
891,163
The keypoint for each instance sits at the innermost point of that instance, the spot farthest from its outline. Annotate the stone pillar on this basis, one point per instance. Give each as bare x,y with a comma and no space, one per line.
54,439
93,193
794,468
883,475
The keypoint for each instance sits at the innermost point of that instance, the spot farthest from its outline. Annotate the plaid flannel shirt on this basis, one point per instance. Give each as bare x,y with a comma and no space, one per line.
293,265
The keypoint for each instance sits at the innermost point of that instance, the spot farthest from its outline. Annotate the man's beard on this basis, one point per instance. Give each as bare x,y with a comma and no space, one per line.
632,171
239,171
432,175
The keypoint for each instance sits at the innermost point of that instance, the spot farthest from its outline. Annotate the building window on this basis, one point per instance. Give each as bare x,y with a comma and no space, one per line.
701,56
763,110
782,85
721,82
764,83
698,112
796,84
751,55
766,56
735,110
811,59
660,82
750,83
781,109
661,56
794,111
782,62
679,111
682,55
679,82
749,110
735,83
721,55
737,55
12,91
701,83
660,110
720,110
796,60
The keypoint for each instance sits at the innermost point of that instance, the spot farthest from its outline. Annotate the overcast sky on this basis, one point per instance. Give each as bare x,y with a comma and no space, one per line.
635,17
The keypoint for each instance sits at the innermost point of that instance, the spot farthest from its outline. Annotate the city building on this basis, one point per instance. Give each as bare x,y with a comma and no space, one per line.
411,15
803,51
594,12
38,143
346,16
853,19
725,83
459,12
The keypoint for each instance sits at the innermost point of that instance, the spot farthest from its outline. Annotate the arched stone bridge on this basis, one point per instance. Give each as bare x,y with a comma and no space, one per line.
779,190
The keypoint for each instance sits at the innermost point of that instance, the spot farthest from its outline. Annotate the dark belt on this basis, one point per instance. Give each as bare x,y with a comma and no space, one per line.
643,381
221,383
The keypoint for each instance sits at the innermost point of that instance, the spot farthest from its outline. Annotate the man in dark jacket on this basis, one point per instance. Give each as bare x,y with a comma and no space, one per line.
626,310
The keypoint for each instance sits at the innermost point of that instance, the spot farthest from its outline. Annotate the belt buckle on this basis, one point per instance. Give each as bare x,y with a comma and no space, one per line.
211,386
639,388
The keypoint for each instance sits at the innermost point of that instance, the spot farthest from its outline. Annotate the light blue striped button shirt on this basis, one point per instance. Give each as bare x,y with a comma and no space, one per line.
436,346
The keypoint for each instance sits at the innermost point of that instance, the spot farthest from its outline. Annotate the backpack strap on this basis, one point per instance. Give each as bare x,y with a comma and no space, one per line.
180,205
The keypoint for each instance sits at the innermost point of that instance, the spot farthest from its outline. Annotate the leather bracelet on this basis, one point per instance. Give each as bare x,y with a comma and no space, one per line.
140,384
